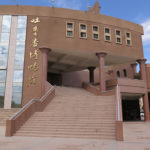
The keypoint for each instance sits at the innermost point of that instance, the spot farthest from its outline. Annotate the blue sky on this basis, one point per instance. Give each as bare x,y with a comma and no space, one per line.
137,11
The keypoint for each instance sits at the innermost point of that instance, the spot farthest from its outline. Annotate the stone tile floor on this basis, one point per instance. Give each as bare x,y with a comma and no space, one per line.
136,137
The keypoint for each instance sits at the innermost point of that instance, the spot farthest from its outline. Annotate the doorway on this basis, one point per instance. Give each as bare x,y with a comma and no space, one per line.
131,110
54,78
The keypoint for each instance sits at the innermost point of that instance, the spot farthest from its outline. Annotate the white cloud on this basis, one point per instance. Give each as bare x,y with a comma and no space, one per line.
146,37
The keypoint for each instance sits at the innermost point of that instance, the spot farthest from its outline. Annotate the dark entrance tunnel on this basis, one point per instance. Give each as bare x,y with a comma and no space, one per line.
54,78
131,110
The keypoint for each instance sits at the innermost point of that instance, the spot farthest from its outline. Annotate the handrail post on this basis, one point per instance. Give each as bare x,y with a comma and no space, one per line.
119,107
119,122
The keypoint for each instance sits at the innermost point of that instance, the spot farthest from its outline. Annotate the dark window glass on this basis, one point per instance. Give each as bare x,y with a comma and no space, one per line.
69,33
95,36
128,42
118,74
69,25
118,32
107,38
118,40
83,27
128,35
107,30
125,72
2,93
83,34
95,28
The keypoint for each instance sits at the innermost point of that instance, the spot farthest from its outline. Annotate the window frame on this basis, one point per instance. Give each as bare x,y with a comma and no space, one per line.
107,34
125,73
82,30
128,38
69,29
118,74
95,32
118,36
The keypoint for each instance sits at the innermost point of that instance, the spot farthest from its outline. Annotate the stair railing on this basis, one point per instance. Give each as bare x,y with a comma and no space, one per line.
119,122
119,118
34,105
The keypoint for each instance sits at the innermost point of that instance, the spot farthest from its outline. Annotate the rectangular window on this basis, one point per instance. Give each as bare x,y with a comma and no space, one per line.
83,30
19,62
107,34
118,37
70,29
95,32
128,39
6,24
2,93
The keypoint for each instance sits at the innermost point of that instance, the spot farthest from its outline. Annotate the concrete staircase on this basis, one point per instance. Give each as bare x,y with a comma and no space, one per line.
74,113
5,114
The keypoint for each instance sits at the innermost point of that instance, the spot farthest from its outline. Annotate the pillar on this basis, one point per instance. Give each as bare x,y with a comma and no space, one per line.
134,68
91,74
10,64
145,97
101,60
44,54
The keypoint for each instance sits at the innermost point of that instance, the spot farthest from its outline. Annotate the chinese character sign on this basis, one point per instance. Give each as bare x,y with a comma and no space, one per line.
34,52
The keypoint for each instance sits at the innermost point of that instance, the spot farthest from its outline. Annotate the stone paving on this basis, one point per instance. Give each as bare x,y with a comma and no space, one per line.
137,137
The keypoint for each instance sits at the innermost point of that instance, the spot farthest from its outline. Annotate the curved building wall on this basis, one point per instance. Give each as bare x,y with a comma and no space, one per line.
50,31
53,26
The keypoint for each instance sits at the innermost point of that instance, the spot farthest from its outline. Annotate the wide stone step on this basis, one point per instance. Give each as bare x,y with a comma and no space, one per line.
40,118
73,129
50,123
74,120
65,132
74,113
70,126
102,136
5,114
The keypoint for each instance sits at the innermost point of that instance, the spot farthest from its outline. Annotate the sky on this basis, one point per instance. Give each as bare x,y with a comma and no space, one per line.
137,11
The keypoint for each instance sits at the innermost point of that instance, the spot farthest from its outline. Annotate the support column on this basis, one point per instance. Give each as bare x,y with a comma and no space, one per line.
44,54
142,68
91,74
134,68
101,59
145,97
10,64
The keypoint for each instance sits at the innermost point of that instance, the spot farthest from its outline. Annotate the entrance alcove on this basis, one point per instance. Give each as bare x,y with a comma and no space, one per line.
132,108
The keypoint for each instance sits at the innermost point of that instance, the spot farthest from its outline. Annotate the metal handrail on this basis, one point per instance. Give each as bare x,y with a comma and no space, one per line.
118,104
30,102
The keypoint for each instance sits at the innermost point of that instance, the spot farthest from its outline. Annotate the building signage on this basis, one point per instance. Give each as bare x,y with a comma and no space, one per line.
34,53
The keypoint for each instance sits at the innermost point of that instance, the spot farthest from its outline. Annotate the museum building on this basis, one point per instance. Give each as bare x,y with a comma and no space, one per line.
43,49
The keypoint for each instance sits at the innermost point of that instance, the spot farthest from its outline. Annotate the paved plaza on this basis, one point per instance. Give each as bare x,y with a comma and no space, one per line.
137,137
